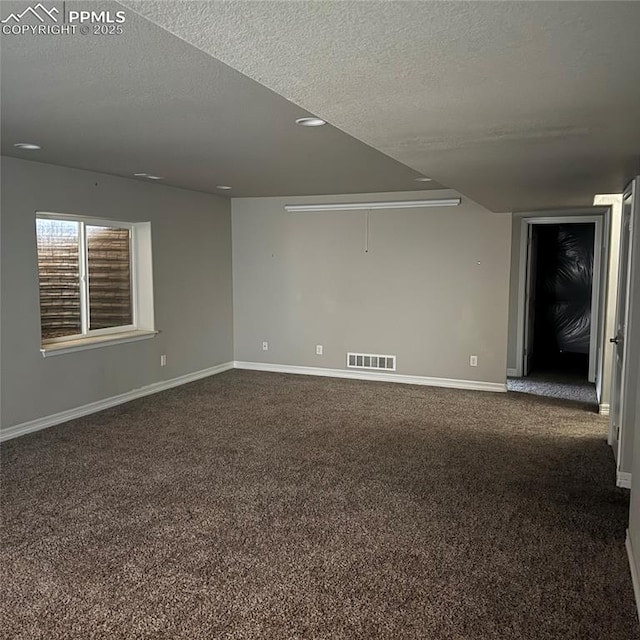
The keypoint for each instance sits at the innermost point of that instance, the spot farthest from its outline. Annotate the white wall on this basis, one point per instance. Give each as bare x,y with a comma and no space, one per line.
614,201
432,289
632,356
191,236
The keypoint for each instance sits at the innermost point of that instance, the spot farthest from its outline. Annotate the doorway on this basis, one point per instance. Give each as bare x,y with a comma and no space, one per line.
558,341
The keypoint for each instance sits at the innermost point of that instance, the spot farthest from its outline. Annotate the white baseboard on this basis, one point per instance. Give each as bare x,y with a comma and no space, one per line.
604,408
635,578
512,373
93,407
623,479
373,375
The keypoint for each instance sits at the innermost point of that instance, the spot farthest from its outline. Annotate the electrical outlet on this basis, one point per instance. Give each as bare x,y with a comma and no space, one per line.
473,361
319,349
163,360
265,346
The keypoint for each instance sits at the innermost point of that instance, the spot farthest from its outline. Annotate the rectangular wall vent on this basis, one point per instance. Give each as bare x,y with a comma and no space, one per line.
371,361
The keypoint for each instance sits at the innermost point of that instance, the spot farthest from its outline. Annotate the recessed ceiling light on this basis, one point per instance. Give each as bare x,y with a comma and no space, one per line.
224,187
26,145
311,122
148,176
423,179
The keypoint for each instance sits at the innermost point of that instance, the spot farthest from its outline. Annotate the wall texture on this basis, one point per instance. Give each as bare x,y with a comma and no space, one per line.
191,243
432,289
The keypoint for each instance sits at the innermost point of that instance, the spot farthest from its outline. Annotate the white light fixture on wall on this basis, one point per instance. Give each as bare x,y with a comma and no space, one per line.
369,206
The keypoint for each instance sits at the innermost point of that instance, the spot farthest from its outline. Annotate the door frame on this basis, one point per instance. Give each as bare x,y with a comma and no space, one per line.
597,295
616,439
530,284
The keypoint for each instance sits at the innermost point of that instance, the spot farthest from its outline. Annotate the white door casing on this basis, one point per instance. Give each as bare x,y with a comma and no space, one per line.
617,400
530,299
526,290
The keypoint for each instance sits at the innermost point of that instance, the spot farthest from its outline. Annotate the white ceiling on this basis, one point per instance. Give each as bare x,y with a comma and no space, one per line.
146,101
518,105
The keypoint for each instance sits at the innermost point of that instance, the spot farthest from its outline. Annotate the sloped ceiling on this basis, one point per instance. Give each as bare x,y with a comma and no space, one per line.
518,105
146,101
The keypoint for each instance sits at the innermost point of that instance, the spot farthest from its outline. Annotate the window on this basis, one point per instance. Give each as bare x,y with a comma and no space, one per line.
87,271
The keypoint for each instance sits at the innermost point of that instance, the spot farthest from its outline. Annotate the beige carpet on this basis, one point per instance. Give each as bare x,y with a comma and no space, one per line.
254,505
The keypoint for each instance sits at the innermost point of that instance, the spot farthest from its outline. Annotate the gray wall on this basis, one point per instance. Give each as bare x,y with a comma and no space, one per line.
633,390
302,279
634,506
191,237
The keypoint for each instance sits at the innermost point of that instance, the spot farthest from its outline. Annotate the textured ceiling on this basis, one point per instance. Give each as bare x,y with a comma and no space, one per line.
519,105
146,101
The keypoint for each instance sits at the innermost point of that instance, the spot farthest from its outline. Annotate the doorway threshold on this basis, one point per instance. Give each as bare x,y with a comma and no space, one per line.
562,386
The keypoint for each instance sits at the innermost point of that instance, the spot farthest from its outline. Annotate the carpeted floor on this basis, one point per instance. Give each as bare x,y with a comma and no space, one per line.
266,506
557,385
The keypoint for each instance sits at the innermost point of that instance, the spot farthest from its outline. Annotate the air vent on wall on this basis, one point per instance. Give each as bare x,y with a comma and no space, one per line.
371,361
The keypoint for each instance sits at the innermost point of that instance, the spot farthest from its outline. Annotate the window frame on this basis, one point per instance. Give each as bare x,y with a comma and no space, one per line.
83,221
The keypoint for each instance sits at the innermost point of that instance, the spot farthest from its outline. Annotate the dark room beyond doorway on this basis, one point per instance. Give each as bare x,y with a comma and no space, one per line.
563,288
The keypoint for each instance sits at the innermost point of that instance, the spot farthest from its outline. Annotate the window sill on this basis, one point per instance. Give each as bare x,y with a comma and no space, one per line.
94,342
